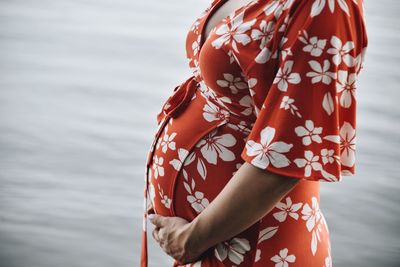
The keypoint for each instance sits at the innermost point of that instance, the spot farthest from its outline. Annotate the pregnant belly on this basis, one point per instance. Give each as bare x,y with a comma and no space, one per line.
195,155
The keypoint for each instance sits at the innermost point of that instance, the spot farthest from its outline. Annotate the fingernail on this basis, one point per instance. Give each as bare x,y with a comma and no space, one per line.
151,216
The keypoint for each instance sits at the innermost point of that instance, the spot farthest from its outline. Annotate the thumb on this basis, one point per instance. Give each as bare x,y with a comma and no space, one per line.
157,220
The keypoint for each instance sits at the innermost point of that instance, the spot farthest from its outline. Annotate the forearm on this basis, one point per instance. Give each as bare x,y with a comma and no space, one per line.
250,194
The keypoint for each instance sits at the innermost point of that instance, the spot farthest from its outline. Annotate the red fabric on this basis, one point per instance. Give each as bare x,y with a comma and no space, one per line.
273,85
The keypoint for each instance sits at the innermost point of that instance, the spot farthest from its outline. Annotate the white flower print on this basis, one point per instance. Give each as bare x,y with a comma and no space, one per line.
309,133
198,201
263,235
214,146
209,93
222,100
246,102
267,233
195,198
264,33
347,144
310,162
346,85
212,112
157,166
328,262
234,250
177,163
312,216
258,255
233,31
327,103
277,6
166,201
232,56
159,140
164,198
319,5
201,168
287,209
264,56
241,127
328,156
316,237
285,76
284,52
196,45
152,192
196,68
313,45
267,152
283,26
206,90
341,52
321,73
167,142
283,259
287,103
195,26
233,83
252,82
359,60
345,173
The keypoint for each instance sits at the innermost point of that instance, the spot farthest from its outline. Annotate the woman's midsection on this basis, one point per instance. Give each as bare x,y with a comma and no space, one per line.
195,155
193,160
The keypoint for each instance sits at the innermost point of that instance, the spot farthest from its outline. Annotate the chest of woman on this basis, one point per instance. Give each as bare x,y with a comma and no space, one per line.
223,50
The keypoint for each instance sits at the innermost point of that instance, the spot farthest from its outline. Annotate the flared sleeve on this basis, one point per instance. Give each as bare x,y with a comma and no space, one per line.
306,111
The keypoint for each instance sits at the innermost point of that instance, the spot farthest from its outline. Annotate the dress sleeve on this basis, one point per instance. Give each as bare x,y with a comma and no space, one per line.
306,112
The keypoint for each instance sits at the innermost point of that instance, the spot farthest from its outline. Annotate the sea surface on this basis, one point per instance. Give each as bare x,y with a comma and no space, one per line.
81,82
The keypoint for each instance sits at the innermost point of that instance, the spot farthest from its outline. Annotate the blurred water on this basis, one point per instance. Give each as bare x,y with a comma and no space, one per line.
80,84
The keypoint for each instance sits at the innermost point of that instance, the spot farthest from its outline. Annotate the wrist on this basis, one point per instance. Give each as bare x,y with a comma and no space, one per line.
195,242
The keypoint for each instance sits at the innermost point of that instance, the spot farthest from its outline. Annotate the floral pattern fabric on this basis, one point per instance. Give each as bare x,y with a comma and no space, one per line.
274,84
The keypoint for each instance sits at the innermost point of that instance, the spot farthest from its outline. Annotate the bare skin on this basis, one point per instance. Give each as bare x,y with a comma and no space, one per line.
252,193
222,12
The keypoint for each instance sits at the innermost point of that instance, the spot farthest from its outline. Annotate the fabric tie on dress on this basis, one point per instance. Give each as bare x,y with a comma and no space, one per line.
177,102
174,106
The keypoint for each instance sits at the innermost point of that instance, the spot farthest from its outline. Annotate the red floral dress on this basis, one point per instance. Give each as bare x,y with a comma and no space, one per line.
274,85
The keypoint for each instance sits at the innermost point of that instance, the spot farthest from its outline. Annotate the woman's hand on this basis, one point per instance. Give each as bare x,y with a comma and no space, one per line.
245,199
175,237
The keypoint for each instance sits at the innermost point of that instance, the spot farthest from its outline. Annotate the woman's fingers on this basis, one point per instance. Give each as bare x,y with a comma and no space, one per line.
155,234
158,220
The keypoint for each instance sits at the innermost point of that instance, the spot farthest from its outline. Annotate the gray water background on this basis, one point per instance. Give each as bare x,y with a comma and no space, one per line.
81,82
